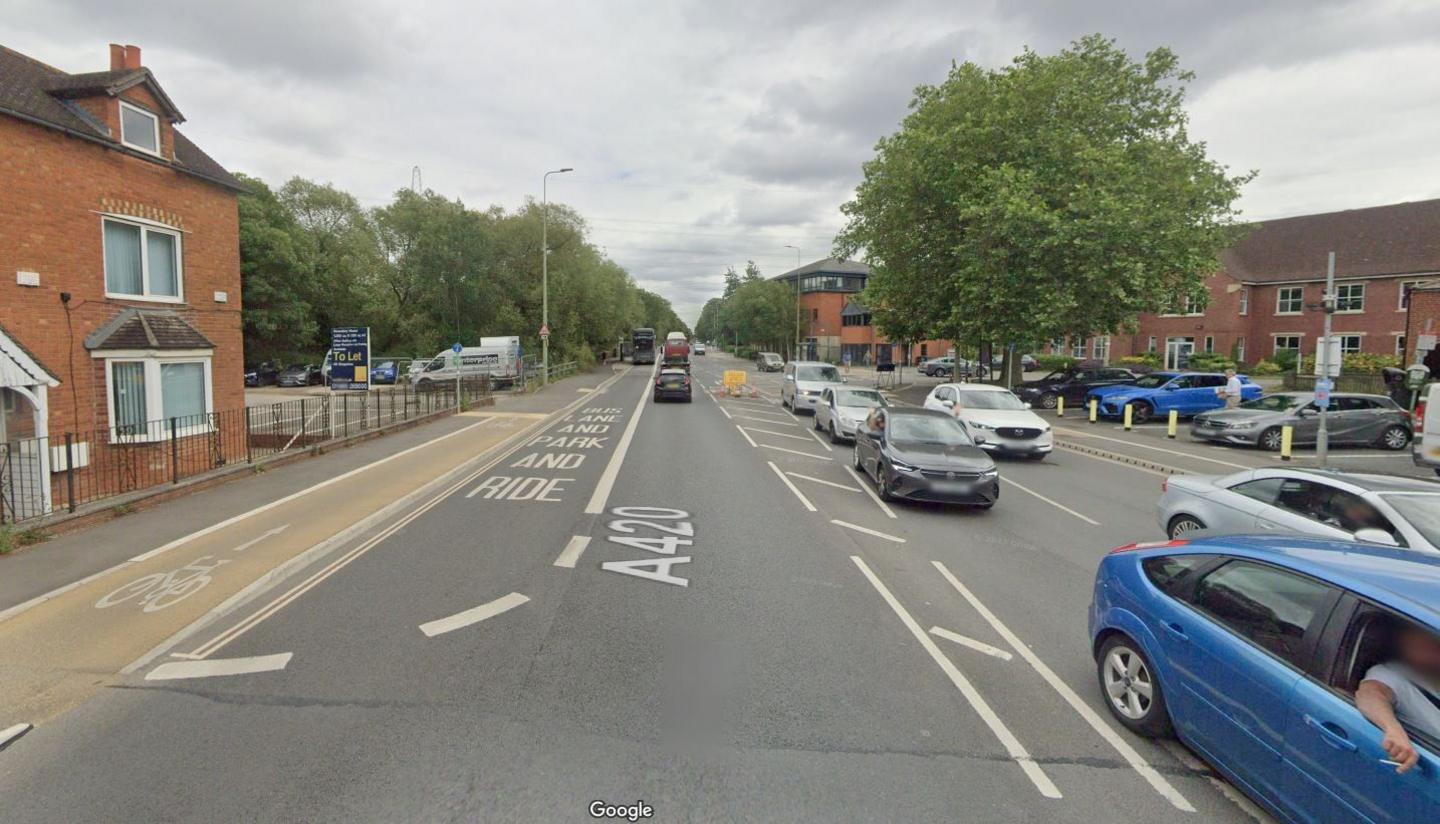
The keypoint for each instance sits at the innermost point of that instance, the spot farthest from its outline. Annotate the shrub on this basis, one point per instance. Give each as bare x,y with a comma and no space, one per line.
1286,360
1368,362
1147,359
1266,367
1050,363
1210,362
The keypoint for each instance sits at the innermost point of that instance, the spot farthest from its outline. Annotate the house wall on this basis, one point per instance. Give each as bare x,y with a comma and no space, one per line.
54,189
1423,318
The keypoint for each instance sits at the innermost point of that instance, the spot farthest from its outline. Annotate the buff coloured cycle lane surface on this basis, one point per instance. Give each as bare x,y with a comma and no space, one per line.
58,649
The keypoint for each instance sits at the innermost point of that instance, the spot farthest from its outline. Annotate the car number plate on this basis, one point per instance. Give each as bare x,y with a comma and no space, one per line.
958,487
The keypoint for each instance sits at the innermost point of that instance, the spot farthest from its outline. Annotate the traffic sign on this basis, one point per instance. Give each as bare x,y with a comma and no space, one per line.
545,330
350,358
1323,388
456,347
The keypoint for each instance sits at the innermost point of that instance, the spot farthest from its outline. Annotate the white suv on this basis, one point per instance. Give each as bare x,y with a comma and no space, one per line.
804,381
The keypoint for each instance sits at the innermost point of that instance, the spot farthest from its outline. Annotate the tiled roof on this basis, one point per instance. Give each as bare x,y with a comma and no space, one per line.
146,329
1400,239
19,366
38,93
828,266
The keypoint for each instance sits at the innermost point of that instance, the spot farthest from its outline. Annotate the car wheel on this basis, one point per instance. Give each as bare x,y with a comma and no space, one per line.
1181,524
1049,400
1141,412
1271,439
657,397
834,436
1395,438
1131,688
882,489
816,426
855,459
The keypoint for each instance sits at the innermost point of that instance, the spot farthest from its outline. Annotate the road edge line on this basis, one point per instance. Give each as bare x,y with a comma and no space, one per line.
606,483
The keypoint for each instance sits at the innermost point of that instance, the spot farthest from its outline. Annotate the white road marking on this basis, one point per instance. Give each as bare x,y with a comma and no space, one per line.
585,390
868,491
868,531
766,419
172,670
1127,752
822,481
724,411
572,551
612,469
10,735
474,615
982,708
262,536
746,436
1082,433
818,440
773,432
795,452
964,641
1055,504
1225,788
804,500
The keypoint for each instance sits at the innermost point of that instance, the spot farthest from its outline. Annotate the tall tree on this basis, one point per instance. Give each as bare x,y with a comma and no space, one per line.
278,318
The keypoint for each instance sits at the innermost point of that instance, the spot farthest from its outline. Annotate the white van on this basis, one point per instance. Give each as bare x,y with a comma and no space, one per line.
1425,447
500,358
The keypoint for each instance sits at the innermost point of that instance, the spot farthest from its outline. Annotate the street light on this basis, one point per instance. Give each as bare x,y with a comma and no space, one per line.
797,297
545,272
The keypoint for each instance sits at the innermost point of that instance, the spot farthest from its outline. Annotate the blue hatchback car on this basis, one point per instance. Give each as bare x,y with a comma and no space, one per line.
1250,649
1188,393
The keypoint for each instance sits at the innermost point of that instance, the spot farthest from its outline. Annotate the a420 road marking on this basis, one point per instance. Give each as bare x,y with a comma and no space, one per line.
669,530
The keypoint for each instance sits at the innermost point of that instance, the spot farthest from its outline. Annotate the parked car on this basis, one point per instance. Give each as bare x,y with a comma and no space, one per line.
769,362
843,409
300,374
384,372
1187,393
1353,419
673,383
1250,650
924,455
1425,447
1071,384
938,367
804,381
698,348
996,413
1027,363
1348,506
266,374
417,366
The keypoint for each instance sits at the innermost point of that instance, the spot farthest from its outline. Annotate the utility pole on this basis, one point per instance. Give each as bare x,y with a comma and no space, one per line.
545,273
1327,303
797,299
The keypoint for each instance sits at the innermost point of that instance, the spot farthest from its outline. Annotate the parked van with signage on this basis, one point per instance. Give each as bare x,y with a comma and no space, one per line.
499,358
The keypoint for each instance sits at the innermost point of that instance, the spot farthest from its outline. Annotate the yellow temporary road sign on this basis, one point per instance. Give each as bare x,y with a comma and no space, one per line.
735,378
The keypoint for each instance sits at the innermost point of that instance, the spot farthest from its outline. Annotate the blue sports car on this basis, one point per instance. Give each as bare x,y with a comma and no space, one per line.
1188,393
1252,649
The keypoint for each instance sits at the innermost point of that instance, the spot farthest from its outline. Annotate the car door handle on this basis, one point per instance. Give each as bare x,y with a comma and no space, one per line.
1175,631
1332,733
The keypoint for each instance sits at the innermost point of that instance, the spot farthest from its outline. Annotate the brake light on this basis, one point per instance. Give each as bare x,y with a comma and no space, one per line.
1419,416
657,381
1149,545
1164,484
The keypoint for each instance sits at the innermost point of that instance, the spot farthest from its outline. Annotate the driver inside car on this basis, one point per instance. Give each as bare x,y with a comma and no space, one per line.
1404,690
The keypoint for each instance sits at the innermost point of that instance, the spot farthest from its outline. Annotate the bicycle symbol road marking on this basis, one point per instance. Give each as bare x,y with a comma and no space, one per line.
159,590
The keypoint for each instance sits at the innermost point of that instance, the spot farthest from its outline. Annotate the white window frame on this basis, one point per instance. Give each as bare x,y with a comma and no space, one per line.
158,426
1349,286
1077,348
1186,306
1209,344
1276,348
1240,349
1151,344
1244,300
154,120
1400,303
146,227
1359,342
1100,348
1280,298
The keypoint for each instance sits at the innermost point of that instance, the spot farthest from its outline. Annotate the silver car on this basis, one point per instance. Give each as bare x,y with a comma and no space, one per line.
842,410
804,381
1353,419
1350,506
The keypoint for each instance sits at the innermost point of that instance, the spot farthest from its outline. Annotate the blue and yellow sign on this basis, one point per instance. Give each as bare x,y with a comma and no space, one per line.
350,358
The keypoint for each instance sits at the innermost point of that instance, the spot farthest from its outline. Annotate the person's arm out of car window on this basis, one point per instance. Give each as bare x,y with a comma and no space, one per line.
1376,701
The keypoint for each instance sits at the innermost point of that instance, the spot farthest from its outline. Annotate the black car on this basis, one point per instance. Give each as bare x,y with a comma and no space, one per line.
300,374
924,455
1071,384
266,374
672,384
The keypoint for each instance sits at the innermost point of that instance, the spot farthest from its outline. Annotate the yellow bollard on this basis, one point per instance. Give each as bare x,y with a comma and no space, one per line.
1127,417
1174,419
1094,409
1287,433
1060,407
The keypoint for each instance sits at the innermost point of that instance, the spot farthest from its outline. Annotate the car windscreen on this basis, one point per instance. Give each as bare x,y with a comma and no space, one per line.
1276,403
858,397
972,399
1055,376
1422,511
931,429
389,364
817,373
1153,381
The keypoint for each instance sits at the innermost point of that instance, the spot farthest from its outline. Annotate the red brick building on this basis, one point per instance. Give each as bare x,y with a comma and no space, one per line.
1266,297
833,324
119,262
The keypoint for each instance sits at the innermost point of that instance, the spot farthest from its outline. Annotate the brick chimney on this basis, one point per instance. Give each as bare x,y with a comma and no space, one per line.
117,57
132,57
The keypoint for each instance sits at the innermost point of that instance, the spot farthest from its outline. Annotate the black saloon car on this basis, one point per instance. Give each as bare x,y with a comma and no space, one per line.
924,455
266,374
1071,384
672,384
300,374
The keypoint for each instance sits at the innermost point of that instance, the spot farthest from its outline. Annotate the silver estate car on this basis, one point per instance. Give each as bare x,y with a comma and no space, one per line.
1353,419
1381,509
842,410
804,381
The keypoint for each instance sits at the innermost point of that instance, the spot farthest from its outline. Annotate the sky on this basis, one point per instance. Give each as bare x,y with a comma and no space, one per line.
706,134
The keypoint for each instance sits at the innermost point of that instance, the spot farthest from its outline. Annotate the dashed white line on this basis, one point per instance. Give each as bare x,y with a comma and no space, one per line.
877,533
746,436
1127,752
10,735
1055,504
821,481
795,452
172,670
766,419
474,615
612,469
724,411
804,500
572,551
868,491
819,440
773,432
997,726
964,641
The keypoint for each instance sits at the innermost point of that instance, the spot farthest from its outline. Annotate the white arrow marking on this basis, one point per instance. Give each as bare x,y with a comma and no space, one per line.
253,541
220,666
978,646
474,615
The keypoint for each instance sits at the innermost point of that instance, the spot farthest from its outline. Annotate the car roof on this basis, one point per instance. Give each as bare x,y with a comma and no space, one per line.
918,412
1369,481
1402,578
809,363
977,387
679,369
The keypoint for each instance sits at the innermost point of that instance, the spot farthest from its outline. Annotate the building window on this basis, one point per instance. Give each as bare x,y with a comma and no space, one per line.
146,393
1209,343
1349,344
1192,304
1400,348
1100,348
1240,349
139,129
1244,300
1077,348
1350,297
1405,288
1289,300
1150,346
1287,343
141,261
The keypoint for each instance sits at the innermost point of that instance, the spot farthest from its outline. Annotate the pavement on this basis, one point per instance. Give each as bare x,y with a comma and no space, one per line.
696,607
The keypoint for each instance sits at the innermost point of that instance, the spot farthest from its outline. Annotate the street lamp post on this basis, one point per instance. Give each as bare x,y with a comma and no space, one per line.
797,298
545,272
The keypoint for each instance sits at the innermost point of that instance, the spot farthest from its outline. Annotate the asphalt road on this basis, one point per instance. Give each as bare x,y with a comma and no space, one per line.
694,606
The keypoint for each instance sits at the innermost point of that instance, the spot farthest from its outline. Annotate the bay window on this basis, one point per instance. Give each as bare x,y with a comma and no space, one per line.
147,391
142,261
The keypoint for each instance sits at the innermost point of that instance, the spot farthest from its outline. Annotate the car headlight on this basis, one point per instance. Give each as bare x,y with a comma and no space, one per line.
978,425
990,474
901,466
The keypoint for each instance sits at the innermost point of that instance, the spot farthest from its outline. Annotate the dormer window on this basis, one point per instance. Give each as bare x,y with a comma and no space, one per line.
139,129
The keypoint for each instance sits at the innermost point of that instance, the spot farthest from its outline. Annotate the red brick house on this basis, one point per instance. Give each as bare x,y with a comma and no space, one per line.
119,263
1265,299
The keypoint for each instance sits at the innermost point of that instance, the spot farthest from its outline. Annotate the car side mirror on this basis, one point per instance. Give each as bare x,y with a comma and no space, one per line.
947,403
1370,535
874,434
1029,406
979,440
790,378
1170,387
844,380
1309,412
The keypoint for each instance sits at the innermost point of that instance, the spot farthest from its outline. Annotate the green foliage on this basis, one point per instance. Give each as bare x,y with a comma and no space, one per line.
760,312
1210,362
1051,363
1148,359
1058,196
1265,367
1285,359
1368,362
